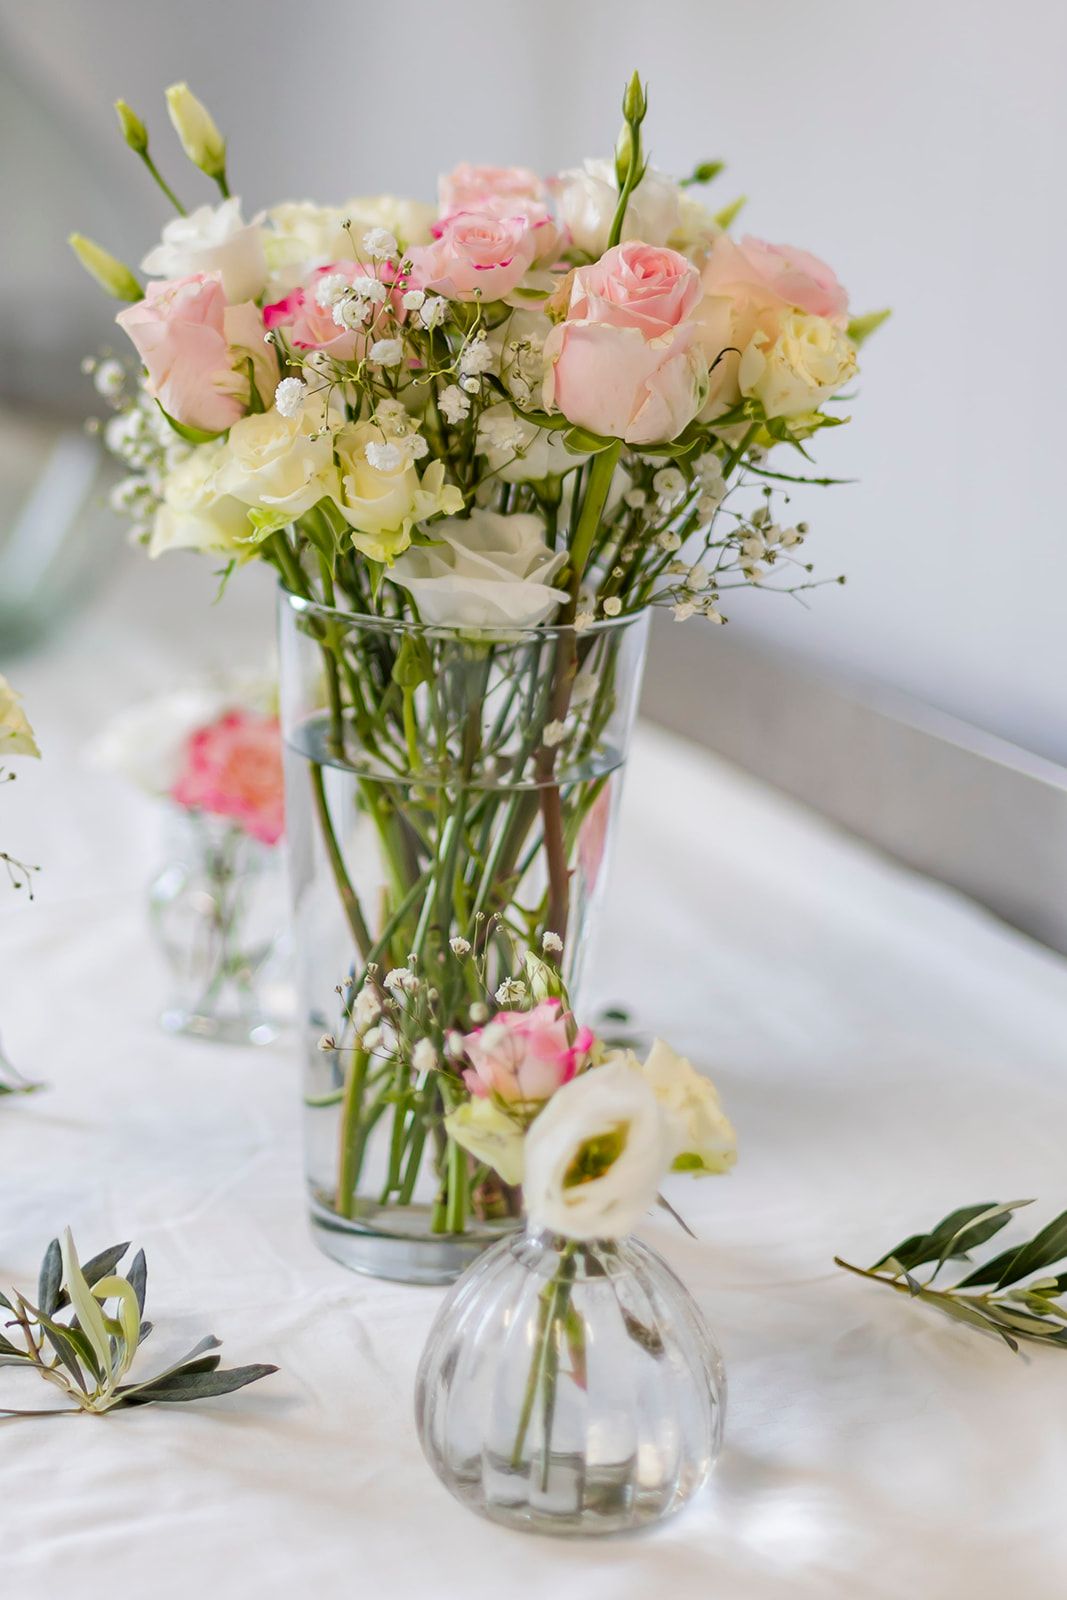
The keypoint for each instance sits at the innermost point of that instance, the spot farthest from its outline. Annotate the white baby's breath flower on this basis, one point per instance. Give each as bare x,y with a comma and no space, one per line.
385,457
476,357
669,541
289,397
424,1056
708,470
612,606
412,299
371,1040
454,1045
401,980
554,733
350,312
471,385
636,499
551,944
510,992
669,484
327,1042
433,311
366,1008
379,244
460,947
329,289
454,404
683,610
583,620
387,352
108,378
416,447
697,578
479,1012
707,505
790,537
585,687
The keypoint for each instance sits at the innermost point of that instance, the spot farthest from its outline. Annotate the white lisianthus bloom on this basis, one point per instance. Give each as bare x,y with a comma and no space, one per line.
196,513
701,1136
304,236
383,503
588,197
146,743
213,239
281,464
16,735
483,571
810,359
596,1154
518,451
490,1135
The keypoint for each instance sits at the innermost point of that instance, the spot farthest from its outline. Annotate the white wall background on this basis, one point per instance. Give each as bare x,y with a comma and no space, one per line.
919,146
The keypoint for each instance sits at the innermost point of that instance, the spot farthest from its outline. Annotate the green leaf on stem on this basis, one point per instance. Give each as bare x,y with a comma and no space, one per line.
189,434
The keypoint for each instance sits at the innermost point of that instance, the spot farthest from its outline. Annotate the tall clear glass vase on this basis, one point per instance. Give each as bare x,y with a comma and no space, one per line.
440,783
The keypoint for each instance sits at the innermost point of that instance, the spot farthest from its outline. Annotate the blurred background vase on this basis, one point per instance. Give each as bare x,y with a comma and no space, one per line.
218,913
571,1387
441,783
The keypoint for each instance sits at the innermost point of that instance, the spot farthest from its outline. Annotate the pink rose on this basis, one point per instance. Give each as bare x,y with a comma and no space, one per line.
748,288
476,255
524,1055
466,187
311,325
233,768
625,362
197,348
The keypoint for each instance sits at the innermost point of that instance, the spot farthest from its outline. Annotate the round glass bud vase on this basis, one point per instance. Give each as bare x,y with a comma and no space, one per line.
441,784
218,913
571,1387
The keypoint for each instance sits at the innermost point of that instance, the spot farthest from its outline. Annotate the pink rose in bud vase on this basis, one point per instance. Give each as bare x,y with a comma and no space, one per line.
476,255
233,768
310,323
467,187
196,349
525,1055
625,362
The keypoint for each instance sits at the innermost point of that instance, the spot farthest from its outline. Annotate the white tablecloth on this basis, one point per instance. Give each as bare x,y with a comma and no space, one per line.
886,1050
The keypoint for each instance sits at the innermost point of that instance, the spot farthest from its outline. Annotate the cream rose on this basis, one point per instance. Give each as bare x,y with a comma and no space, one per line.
700,1134
483,571
596,1154
196,514
16,735
588,196
213,239
303,236
810,359
283,465
381,495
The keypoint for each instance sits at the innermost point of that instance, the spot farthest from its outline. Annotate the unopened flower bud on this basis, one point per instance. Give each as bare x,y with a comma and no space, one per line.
133,129
195,127
113,276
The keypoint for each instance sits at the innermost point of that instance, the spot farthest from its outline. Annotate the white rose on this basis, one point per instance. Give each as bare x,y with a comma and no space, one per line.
596,1154
483,571
382,503
588,197
213,239
518,451
303,236
490,1135
701,1135
196,514
809,360
16,735
282,464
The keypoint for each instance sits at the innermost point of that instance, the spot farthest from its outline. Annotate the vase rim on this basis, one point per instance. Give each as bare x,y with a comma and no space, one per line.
525,633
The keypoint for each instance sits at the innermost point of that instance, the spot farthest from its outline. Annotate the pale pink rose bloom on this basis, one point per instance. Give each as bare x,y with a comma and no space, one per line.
311,326
233,768
466,187
748,288
476,255
524,1055
625,362
196,349
534,213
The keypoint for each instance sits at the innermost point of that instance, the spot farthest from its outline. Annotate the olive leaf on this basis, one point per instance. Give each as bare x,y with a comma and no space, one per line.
89,1354
1010,1310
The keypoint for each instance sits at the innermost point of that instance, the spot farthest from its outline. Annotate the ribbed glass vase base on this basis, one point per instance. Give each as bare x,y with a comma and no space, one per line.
221,1030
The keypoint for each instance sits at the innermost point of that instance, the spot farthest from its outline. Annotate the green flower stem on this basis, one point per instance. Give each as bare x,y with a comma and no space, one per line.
158,178
601,472
553,1301
738,450
352,1134
349,898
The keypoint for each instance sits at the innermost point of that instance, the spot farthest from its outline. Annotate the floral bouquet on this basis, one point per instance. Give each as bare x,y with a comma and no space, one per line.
478,442
213,752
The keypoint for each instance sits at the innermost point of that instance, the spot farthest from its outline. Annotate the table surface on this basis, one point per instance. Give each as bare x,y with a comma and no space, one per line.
886,1049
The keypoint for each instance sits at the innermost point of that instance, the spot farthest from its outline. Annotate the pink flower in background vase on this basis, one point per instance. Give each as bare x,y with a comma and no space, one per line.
233,768
196,348
466,187
476,255
624,362
524,1055
307,312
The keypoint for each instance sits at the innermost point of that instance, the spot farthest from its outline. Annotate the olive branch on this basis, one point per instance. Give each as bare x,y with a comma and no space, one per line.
992,1297
86,1329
